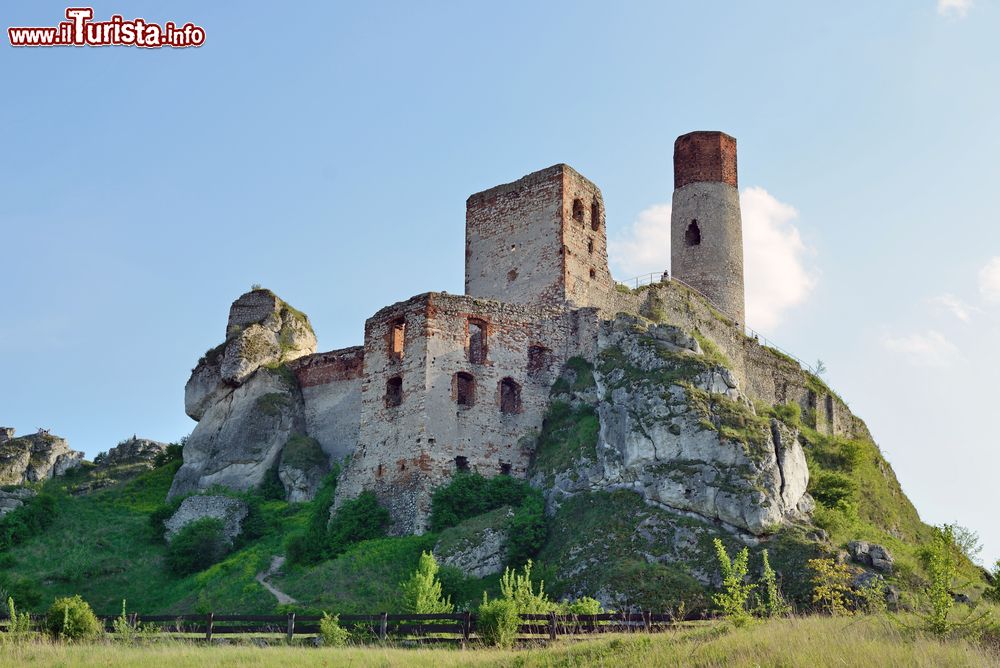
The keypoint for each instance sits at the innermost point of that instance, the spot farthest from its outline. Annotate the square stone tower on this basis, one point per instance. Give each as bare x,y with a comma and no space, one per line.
538,240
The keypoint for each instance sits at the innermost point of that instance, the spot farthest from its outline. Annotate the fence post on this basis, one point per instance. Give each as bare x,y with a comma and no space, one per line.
647,620
383,631
552,625
466,627
209,626
291,626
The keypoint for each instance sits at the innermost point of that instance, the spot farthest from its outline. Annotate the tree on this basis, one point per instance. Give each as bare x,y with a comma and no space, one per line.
732,600
422,592
993,592
820,367
774,604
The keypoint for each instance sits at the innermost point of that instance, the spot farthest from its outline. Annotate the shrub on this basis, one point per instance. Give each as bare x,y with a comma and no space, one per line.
197,546
309,546
22,589
270,488
732,600
157,518
71,618
790,414
774,604
521,590
581,606
173,453
498,621
833,490
470,494
19,624
332,633
831,585
28,521
992,593
356,520
527,530
421,594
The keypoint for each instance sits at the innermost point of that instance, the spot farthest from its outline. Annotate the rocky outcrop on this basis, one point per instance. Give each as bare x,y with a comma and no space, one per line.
248,405
870,554
478,546
14,498
134,452
241,436
34,458
301,468
675,428
231,512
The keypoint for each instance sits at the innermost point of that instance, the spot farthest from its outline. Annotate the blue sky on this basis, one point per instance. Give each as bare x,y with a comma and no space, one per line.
325,150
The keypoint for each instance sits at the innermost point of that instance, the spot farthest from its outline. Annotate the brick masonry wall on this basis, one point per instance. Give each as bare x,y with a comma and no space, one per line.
705,156
404,452
585,246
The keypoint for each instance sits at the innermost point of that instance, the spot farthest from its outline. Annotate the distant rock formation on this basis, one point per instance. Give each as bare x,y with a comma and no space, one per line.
14,498
34,458
247,403
138,452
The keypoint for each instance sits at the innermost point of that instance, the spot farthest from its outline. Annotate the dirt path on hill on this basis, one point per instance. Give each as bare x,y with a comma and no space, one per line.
277,561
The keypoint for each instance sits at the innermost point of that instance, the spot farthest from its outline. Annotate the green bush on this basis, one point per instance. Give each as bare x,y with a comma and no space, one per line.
421,594
470,494
356,520
581,606
173,453
270,488
309,546
498,621
18,623
332,633
992,594
28,521
157,518
832,489
528,529
197,546
71,618
22,589
732,600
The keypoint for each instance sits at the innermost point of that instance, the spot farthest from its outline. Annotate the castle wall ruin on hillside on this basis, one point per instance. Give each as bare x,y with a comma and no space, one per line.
446,383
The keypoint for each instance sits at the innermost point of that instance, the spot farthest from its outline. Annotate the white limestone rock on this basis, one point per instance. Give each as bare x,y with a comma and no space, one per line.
478,546
135,451
231,512
241,436
697,447
35,458
14,498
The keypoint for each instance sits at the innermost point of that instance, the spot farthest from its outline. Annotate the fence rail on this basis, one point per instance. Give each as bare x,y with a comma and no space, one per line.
664,276
452,627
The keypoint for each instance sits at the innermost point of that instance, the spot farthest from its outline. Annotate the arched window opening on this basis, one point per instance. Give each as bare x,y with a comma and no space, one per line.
510,396
590,246
504,468
464,387
477,341
578,210
693,234
379,471
397,338
593,273
461,463
393,391
595,216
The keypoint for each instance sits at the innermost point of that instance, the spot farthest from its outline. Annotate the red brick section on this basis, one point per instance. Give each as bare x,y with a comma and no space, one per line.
704,156
323,368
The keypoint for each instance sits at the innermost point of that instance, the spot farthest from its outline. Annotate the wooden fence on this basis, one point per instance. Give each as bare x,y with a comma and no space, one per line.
431,628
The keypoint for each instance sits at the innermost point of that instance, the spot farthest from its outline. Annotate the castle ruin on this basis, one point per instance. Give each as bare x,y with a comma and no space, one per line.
446,383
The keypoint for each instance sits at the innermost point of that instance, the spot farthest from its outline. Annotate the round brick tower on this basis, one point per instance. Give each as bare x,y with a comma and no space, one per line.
706,232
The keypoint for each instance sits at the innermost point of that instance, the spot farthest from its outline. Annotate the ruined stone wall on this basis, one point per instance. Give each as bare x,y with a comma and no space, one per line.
584,233
251,307
513,245
441,423
763,373
331,392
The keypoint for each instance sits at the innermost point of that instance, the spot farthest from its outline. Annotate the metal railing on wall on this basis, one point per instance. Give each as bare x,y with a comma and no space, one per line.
665,277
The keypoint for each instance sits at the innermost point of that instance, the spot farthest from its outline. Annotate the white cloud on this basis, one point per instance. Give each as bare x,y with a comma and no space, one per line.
776,260
989,281
645,247
928,349
954,8
955,306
